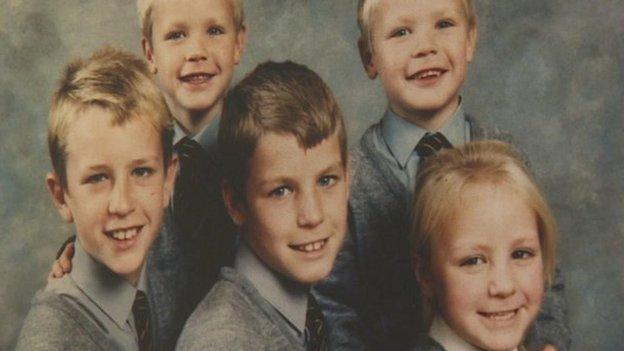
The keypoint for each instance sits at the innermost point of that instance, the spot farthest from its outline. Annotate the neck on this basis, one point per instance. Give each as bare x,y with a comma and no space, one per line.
430,120
193,121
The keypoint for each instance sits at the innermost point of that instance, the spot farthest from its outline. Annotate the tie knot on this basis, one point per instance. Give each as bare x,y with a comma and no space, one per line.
432,143
188,148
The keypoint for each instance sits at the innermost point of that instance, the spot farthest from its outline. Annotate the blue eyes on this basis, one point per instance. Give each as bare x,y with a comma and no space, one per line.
280,192
96,178
520,254
143,171
400,33
445,24
324,182
177,35
215,31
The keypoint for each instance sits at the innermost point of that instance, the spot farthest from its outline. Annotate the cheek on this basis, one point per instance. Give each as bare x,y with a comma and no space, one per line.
458,292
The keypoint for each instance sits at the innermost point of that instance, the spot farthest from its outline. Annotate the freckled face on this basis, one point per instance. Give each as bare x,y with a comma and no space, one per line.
488,269
421,50
194,49
296,213
116,189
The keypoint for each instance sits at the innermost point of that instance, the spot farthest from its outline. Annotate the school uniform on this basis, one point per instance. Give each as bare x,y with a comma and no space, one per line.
442,338
88,309
251,307
184,264
371,298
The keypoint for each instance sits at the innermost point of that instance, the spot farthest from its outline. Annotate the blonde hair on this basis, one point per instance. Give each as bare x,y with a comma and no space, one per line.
116,81
285,98
366,8
445,176
146,7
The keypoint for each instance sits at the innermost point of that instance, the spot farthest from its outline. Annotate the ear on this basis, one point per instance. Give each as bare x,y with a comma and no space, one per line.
241,41
424,276
59,196
471,43
170,177
148,52
366,56
235,209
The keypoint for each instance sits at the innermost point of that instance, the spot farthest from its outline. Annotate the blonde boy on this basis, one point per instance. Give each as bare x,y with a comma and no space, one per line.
286,188
420,50
192,48
110,136
484,244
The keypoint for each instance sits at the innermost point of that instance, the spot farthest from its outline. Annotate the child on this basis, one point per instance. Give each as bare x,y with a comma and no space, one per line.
110,136
420,49
483,241
192,47
286,188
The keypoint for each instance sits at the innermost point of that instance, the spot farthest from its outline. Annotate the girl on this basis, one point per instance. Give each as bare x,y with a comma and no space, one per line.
483,243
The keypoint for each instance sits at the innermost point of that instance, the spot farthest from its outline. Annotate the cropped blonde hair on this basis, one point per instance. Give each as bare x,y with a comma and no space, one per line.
146,7
116,81
366,8
445,176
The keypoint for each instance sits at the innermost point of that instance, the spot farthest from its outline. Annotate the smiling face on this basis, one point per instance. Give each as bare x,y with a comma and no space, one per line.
420,50
487,268
117,189
193,51
295,214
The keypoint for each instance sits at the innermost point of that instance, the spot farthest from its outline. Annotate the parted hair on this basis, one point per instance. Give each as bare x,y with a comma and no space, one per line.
284,98
146,7
366,9
444,177
116,81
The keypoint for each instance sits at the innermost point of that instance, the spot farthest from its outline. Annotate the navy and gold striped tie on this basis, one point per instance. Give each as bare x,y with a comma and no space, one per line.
316,334
140,310
430,144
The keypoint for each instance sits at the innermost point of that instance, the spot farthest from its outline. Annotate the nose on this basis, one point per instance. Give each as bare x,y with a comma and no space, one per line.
121,199
425,44
196,50
310,213
501,282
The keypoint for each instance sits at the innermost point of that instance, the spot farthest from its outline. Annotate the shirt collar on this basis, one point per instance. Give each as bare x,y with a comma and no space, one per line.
110,292
402,136
289,298
445,336
207,137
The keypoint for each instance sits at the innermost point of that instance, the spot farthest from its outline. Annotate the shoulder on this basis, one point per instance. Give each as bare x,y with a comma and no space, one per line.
227,318
53,323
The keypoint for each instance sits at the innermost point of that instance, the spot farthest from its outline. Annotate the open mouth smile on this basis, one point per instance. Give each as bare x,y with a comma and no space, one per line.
427,74
196,78
311,246
500,316
124,234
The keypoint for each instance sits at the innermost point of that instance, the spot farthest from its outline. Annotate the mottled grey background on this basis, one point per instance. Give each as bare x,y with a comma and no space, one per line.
549,71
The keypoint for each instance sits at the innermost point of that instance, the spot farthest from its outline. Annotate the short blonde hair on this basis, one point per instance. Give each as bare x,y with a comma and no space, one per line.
146,7
116,81
285,98
366,8
446,175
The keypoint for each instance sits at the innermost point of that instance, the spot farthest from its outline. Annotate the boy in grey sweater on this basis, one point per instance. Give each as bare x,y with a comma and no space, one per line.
110,136
286,185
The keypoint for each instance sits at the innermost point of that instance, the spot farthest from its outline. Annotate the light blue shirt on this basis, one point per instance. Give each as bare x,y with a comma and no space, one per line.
207,137
105,296
289,298
399,137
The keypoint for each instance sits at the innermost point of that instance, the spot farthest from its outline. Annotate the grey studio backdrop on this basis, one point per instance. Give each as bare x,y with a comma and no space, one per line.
548,71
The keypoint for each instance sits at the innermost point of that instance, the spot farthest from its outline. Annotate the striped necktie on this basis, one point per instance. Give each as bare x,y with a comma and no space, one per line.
316,334
430,144
140,310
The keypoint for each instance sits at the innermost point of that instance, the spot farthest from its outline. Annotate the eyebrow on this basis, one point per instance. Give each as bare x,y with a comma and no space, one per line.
334,167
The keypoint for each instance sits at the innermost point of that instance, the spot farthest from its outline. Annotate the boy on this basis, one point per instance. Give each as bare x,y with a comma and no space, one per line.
192,47
110,136
286,188
420,49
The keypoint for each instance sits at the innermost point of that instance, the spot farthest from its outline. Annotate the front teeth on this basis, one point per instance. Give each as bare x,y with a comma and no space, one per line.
428,74
501,315
126,234
315,246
